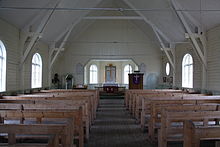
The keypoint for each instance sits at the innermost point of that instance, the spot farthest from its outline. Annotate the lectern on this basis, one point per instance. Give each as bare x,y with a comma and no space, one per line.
136,81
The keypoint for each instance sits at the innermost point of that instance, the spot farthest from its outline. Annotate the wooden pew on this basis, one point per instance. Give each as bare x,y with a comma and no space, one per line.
83,101
136,95
193,134
53,131
95,93
67,93
57,92
168,131
130,94
91,101
146,103
156,110
138,106
40,111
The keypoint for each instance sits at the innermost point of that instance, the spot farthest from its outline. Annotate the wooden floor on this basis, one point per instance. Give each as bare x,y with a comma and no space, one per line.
114,127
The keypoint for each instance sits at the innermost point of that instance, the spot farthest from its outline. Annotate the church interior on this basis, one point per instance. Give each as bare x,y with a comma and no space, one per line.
109,73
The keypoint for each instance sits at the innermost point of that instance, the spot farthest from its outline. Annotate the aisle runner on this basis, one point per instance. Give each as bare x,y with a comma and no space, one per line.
114,127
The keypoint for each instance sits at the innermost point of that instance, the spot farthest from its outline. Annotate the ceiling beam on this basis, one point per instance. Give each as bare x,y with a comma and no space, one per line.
164,48
63,43
113,18
159,34
147,21
188,15
37,17
190,33
38,32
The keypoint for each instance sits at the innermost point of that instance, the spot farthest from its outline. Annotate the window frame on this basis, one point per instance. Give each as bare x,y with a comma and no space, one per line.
187,71
3,60
93,74
129,70
168,66
36,67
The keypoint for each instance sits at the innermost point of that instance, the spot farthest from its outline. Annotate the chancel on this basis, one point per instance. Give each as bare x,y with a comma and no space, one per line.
110,73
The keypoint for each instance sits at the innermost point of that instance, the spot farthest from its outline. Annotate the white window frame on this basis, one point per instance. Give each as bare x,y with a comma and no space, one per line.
36,71
2,67
167,69
127,70
187,71
93,74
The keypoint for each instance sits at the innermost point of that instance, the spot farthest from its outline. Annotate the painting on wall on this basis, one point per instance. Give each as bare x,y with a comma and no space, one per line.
110,74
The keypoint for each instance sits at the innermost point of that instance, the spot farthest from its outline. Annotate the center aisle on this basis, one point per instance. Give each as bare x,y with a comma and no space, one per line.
114,127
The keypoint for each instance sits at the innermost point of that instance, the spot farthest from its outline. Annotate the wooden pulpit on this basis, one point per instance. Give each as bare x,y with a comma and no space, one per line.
136,80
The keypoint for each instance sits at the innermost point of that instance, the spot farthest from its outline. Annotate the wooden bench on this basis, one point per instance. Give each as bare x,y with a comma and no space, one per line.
130,94
54,133
156,110
138,105
134,101
95,93
46,111
170,132
56,99
146,103
193,134
82,101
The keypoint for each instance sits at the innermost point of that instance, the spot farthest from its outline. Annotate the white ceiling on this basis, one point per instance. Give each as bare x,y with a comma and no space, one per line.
159,12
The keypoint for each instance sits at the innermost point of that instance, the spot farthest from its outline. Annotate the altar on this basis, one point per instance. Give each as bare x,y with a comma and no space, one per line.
111,88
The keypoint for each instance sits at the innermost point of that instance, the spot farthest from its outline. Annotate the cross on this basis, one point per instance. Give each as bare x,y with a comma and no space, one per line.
136,77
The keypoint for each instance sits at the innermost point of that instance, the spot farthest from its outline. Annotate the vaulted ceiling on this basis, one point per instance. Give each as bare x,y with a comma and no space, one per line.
56,17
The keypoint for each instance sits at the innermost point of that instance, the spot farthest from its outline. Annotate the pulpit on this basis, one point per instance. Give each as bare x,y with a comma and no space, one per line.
136,80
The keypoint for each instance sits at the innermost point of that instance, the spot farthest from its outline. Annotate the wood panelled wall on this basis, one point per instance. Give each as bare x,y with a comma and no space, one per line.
213,60
10,35
213,55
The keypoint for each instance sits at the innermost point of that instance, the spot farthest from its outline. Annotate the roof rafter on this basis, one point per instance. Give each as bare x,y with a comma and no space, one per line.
113,18
63,42
159,34
164,48
190,33
148,21
38,33
36,17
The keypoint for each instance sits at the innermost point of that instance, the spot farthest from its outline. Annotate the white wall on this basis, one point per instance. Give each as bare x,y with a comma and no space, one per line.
167,82
213,61
101,69
181,50
11,37
107,39
213,56
42,49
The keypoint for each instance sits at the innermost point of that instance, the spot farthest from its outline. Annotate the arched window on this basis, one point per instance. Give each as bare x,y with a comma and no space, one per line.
127,70
36,76
2,67
187,71
167,69
93,72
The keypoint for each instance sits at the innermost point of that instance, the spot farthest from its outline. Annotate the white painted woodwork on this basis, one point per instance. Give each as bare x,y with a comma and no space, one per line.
107,39
113,18
10,37
213,57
